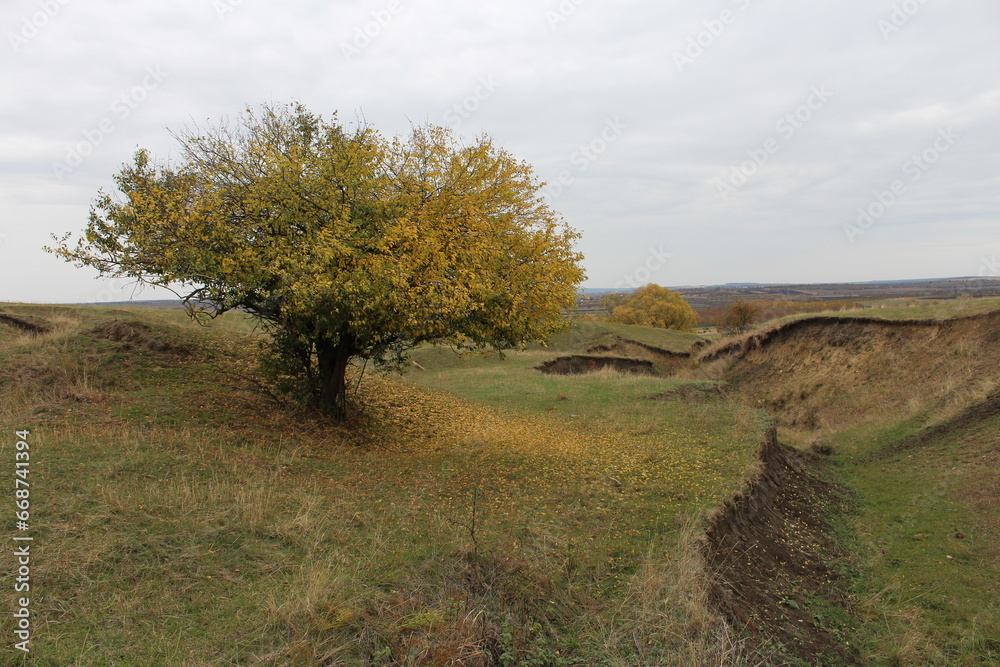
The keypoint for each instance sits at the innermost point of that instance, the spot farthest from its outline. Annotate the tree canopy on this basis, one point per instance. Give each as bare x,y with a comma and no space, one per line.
344,243
739,317
650,306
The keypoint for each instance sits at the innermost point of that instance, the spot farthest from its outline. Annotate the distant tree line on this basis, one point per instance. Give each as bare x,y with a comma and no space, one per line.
768,309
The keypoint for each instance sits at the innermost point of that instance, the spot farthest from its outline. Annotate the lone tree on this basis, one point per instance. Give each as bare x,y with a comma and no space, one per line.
739,317
344,244
650,306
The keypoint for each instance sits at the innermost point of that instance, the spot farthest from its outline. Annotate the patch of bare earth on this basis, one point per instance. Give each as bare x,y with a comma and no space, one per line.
769,551
665,361
621,355
135,335
834,372
32,325
577,364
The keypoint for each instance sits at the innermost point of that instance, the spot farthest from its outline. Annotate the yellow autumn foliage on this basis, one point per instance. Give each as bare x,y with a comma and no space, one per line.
344,243
652,306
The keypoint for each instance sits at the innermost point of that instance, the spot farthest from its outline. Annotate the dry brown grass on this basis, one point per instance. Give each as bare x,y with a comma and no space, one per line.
824,375
666,618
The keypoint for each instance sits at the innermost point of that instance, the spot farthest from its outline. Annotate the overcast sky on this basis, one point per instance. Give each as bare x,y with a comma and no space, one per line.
690,143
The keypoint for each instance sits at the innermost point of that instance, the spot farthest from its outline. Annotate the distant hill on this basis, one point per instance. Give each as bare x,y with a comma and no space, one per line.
706,296
169,304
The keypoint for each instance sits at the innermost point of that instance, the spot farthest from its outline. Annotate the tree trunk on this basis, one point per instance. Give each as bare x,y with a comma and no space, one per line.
333,360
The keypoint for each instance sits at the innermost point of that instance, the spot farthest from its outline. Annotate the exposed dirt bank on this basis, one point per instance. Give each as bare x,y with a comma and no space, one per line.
134,335
577,364
665,360
769,551
834,372
783,331
24,325
622,355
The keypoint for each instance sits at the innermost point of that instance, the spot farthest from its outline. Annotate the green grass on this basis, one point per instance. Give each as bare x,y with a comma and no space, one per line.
577,339
182,518
476,510
929,594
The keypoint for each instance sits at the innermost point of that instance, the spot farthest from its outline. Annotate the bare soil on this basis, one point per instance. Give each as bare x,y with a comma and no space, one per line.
622,355
32,327
135,335
770,552
832,372
578,364
665,360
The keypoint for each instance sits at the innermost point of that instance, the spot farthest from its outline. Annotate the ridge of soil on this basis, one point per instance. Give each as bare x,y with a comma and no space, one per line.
620,354
134,335
972,415
782,331
24,325
619,345
834,372
769,550
666,361
577,364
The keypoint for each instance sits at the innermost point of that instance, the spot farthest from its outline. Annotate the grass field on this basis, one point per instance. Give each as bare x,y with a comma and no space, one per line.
926,526
476,511
479,513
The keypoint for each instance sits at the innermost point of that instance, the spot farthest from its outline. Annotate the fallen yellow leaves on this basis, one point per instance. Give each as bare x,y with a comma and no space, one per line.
542,446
